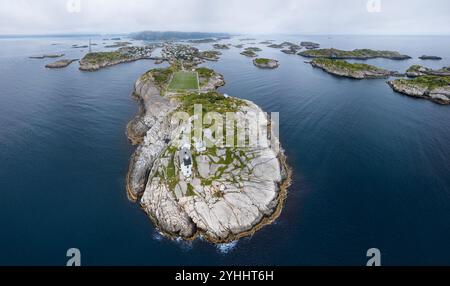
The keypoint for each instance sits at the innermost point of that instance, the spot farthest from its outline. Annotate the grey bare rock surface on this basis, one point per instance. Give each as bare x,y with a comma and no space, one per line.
266,63
346,69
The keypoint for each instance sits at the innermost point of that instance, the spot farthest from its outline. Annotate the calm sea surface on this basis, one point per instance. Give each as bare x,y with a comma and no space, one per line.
371,167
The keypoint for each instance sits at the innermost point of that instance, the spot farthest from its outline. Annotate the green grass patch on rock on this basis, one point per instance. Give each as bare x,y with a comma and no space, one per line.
103,57
344,65
190,191
211,102
355,54
184,80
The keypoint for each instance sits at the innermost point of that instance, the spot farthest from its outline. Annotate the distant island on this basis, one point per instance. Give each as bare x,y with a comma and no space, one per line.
118,45
435,58
358,54
210,55
425,83
351,70
251,52
190,189
47,56
98,60
60,64
310,45
173,36
221,46
80,47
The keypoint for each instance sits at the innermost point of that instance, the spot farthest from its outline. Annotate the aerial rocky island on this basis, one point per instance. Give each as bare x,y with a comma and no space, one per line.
190,188
209,55
98,60
47,56
351,70
358,54
118,45
435,58
221,46
266,63
60,64
418,70
310,45
425,83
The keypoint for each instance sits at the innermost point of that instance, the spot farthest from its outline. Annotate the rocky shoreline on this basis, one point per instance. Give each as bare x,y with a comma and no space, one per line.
358,54
418,70
266,63
351,70
215,208
212,56
433,88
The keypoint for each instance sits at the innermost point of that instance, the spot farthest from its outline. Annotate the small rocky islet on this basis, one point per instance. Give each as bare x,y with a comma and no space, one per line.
251,52
47,56
203,41
358,54
232,192
221,46
351,70
97,60
425,83
118,45
265,63
60,64
310,45
434,58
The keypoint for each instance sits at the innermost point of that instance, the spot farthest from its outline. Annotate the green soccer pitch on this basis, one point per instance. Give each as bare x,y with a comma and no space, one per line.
184,80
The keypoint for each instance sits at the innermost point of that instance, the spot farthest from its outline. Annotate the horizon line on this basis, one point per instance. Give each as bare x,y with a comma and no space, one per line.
25,35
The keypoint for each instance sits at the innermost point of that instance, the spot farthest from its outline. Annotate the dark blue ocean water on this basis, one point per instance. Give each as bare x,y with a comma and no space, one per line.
371,167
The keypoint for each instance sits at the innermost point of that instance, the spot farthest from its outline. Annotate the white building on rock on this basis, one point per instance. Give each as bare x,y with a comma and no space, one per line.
186,163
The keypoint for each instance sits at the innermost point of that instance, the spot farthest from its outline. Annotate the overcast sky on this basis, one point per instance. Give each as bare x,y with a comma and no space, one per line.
235,16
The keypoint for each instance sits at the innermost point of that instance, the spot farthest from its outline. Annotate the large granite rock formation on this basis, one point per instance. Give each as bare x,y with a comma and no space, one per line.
233,191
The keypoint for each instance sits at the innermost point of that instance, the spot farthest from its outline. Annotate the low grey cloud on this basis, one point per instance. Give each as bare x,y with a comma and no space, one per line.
236,16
